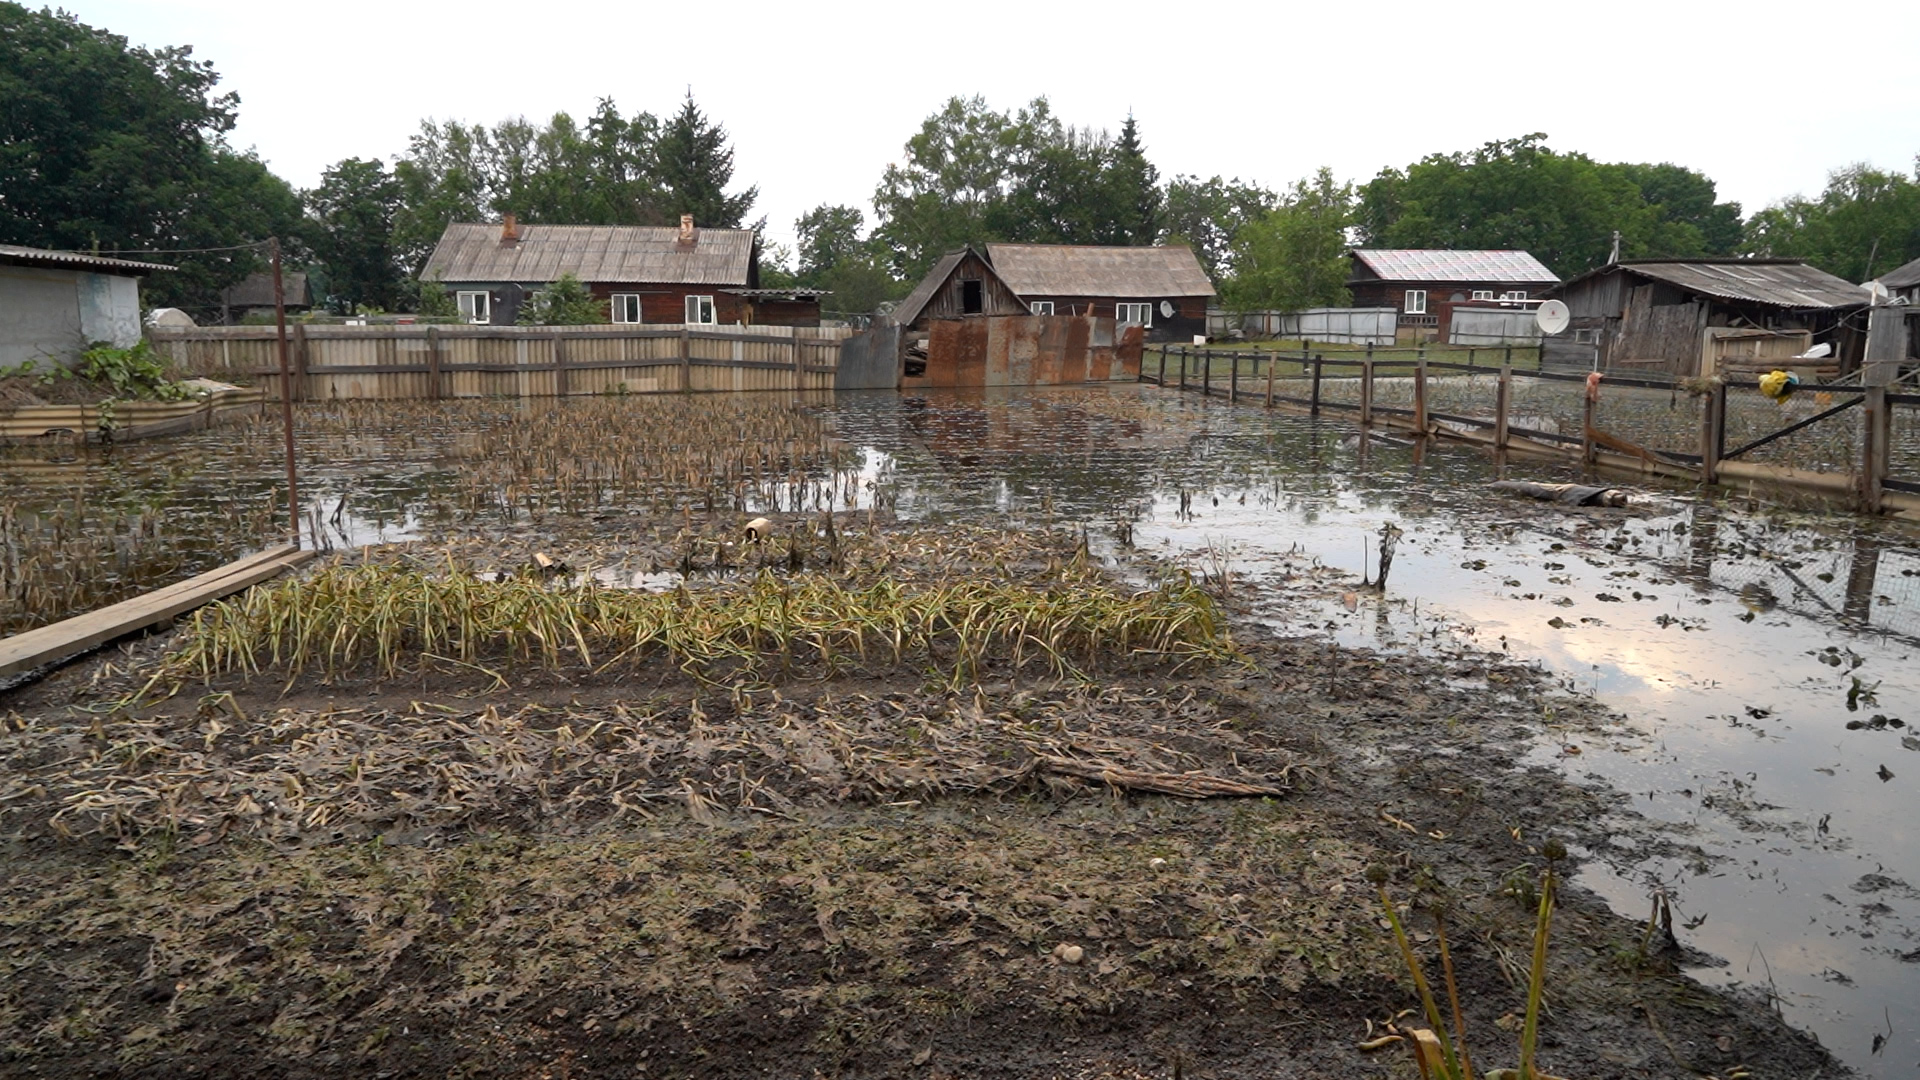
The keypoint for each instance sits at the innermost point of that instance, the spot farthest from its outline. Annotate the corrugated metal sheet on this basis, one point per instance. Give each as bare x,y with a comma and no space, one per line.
617,253
1905,277
1438,265
68,260
1781,284
1088,270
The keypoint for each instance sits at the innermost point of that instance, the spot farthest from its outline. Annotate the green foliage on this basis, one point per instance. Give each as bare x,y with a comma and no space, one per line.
349,232
1563,208
1866,223
108,145
132,374
695,165
1207,215
431,299
1295,256
566,302
829,236
833,256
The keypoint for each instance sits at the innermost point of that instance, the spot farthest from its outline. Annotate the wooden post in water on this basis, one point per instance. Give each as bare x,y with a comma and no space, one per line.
1420,394
1713,432
1313,409
1162,380
1183,367
433,363
286,392
1233,379
1366,392
1269,378
1206,372
302,382
1874,450
1586,429
1502,399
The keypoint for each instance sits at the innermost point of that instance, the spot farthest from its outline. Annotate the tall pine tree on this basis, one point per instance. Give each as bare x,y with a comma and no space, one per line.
695,165
1137,201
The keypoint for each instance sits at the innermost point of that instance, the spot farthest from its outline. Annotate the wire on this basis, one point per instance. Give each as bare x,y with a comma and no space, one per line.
169,251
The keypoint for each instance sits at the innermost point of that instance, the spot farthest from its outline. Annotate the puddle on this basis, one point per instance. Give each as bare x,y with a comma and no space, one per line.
1729,637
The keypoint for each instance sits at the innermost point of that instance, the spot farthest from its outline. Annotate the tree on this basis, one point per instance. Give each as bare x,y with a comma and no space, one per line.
566,302
828,235
694,167
1865,223
1207,216
834,256
1686,199
1294,257
121,148
1137,200
349,235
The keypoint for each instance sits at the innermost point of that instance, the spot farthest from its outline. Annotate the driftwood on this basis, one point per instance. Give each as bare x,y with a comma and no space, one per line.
1185,785
1571,494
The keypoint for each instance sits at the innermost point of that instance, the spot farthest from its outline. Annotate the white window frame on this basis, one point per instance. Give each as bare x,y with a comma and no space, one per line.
1514,294
1586,335
1123,314
1040,307
475,307
698,306
625,304
1415,303
1482,294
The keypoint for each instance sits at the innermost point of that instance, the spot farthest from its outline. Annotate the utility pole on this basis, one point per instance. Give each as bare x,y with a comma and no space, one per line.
286,391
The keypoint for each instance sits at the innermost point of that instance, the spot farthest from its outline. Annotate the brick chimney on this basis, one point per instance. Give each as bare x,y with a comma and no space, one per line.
509,230
686,230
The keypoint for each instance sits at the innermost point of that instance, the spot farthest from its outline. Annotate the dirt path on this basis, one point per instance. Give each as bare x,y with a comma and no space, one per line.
638,872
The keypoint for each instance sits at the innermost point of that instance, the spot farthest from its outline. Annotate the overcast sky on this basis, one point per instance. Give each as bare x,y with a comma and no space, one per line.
1764,97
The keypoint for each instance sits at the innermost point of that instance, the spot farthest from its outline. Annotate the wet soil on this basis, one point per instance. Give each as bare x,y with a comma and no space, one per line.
856,876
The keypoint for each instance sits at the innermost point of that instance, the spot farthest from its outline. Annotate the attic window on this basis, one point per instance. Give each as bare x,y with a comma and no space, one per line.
972,297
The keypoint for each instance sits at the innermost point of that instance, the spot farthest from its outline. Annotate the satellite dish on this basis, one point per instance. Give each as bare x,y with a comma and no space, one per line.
1877,291
1552,317
1166,309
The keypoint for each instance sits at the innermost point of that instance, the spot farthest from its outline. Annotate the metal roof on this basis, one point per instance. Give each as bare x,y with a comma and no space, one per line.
1440,265
800,294
1784,283
69,260
1904,277
1089,270
611,253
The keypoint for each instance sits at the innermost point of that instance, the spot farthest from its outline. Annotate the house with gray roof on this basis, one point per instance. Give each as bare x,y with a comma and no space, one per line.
1424,286
643,273
53,304
1160,288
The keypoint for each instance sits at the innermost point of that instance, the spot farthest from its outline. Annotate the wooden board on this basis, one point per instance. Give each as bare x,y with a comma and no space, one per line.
50,644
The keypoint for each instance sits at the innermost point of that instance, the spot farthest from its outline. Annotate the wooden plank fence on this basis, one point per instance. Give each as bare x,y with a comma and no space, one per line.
412,362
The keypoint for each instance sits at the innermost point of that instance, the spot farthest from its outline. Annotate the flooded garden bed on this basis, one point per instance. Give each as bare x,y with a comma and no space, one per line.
1087,669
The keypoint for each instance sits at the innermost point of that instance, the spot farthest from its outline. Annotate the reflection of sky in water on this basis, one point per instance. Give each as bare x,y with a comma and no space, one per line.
1734,609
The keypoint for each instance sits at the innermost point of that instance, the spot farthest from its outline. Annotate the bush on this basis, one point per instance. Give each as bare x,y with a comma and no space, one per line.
137,373
566,302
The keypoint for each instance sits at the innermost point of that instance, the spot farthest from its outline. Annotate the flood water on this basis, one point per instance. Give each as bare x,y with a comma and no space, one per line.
1762,658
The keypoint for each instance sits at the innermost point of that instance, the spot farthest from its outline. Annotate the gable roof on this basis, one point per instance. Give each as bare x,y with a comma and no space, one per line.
909,309
1905,277
1093,270
1782,283
1435,264
256,290
614,253
16,255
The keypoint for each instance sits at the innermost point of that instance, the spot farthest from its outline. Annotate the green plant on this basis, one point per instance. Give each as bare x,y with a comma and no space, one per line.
136,373
566,302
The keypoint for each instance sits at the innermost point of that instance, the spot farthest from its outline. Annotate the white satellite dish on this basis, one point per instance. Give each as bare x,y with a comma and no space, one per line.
1166,309
1876,291
1552,317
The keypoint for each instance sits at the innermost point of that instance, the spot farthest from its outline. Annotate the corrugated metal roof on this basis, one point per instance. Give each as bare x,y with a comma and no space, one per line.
1779,283
1089,270
70,260
617,253
1905,277
1402,264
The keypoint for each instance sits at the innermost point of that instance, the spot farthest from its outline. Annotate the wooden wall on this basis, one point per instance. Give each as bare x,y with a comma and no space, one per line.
996,298
403,362
1189,312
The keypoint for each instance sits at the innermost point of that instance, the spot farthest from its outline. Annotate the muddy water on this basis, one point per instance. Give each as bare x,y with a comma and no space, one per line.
1728,636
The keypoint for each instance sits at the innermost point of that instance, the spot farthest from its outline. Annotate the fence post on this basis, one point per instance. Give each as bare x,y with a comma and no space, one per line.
1874,450
560,388
1313,408
302,391
433,363
1713,433
1162,380
1206,372
1269,380
1470,352
1233,379
1507,361
1420,393
799,362
686,359
1586,428
1183,367
1366,392
1502,399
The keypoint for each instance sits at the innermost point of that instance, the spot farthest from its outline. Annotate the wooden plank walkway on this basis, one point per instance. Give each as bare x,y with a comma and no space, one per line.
49,644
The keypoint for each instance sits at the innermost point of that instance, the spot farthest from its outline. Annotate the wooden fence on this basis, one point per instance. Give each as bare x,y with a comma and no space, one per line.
396,362
1873,487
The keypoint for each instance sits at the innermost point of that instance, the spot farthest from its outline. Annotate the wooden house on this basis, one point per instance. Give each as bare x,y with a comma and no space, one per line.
1162,289
961,284
643,273
1903,286
1698,317
1424,286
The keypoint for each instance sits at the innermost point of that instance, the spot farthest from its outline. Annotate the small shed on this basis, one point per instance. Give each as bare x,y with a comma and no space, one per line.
961,284
53,304
1162,289
253,295
1697,317
1425,285
1903,285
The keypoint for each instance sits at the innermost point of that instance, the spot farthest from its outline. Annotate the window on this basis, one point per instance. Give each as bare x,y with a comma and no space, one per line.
700,309
1416,302
1041,307
1586,336
1482,294
626,307
1134,314
972,297
1516,294
474,307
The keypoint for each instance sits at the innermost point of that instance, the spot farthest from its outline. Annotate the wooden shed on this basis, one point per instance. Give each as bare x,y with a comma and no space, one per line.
961,284
1702,316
